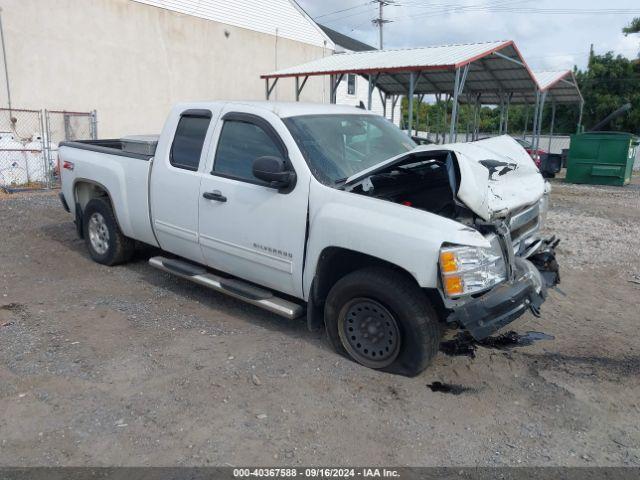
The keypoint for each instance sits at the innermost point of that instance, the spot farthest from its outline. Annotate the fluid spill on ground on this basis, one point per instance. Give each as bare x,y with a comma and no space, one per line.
465,345
451,388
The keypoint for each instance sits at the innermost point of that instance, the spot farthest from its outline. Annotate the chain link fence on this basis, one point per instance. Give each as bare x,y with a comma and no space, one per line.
29,144
22,149
64,126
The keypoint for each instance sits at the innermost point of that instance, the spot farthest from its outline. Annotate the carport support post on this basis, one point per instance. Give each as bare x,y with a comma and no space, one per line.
335,82
543,98
269,88
476,118
412,85
332,81
384,105
501,125
526,121
445,112
372,84
553,119
300,86
506,115
394,101
461,77
420,98
454,107
435,122
534,125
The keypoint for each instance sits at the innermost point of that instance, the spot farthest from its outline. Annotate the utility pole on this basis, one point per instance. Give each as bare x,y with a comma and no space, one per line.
6,68
380,21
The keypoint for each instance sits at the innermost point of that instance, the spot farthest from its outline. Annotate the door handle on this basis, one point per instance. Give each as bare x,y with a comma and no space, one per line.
215,195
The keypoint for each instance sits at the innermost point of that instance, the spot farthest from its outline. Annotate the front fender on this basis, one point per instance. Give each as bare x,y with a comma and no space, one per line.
404,236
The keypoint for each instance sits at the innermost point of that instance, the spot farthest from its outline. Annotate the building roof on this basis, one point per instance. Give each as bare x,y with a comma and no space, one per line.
346,42
493,67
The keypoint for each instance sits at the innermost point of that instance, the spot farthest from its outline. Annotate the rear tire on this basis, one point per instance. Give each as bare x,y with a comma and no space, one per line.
102,235
380,318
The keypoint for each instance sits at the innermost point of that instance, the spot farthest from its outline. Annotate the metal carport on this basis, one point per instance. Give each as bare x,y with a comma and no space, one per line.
560,87
479,71
555,87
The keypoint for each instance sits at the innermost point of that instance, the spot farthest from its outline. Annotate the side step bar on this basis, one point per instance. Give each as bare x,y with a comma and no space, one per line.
232,287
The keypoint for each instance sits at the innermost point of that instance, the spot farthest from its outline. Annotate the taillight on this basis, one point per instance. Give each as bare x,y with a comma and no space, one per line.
68,165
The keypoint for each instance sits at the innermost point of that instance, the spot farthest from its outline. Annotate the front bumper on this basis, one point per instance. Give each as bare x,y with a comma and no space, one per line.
505,303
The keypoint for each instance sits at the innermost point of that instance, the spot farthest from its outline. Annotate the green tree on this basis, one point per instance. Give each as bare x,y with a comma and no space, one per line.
609,82
633,27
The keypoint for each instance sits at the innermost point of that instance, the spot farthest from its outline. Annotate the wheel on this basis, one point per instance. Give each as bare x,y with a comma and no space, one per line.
105,242
381,319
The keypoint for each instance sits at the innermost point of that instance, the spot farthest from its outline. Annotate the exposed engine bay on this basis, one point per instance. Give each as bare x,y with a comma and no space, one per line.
432,179
425,180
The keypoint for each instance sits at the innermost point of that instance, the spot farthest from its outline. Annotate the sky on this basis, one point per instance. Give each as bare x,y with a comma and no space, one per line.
550,34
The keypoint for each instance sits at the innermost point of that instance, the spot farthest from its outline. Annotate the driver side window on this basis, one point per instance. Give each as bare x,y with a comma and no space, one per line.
239,145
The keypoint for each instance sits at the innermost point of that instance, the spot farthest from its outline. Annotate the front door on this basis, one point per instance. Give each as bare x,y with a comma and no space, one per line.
246,227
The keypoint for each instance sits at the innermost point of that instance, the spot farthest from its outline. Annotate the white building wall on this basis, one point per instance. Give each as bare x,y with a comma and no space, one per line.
131,61
266,16
361,95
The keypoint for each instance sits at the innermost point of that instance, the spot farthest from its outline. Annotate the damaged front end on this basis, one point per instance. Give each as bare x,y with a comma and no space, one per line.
525,289
492,187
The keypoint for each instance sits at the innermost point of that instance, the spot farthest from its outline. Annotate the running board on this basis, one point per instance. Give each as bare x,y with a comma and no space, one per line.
235,288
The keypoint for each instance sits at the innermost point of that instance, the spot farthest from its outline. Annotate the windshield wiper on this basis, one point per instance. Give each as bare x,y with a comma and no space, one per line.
341,180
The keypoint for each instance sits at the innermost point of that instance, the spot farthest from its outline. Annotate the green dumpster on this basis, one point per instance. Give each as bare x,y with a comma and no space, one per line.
601,158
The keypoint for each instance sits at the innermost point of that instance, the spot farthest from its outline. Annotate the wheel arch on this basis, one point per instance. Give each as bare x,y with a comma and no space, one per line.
332,265
85,190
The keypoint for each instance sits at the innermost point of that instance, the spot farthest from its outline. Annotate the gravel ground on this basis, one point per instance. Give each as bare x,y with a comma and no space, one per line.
130,366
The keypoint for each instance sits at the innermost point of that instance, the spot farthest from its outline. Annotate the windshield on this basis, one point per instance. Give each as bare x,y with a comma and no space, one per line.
338,146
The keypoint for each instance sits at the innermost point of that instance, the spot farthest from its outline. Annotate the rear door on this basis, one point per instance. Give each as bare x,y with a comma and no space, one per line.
175,185
246,227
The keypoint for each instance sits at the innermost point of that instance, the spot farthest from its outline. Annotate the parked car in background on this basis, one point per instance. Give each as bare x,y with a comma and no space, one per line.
328,209
536,154
422,140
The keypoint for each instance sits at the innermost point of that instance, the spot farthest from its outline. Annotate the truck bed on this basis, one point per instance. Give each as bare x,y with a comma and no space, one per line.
124,174
141,147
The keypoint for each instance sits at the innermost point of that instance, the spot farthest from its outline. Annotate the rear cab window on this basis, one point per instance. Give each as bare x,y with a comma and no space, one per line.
188,141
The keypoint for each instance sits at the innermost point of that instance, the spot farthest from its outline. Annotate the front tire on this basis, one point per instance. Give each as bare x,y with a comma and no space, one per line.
105,241
380,318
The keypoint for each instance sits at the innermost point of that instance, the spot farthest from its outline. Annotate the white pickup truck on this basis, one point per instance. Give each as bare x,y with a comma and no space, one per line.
331,210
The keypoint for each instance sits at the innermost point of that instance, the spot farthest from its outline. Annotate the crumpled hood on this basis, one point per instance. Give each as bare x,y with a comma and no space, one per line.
497,175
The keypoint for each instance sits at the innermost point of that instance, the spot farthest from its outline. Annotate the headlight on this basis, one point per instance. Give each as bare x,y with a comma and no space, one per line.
544,204
467,270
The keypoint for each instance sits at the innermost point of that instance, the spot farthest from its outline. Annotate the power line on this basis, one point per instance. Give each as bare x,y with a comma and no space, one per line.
342,10
356,14
523,10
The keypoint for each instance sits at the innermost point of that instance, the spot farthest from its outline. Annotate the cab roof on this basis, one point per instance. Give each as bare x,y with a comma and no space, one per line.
284,109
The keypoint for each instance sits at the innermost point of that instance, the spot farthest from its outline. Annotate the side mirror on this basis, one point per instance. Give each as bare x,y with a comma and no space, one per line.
274,171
